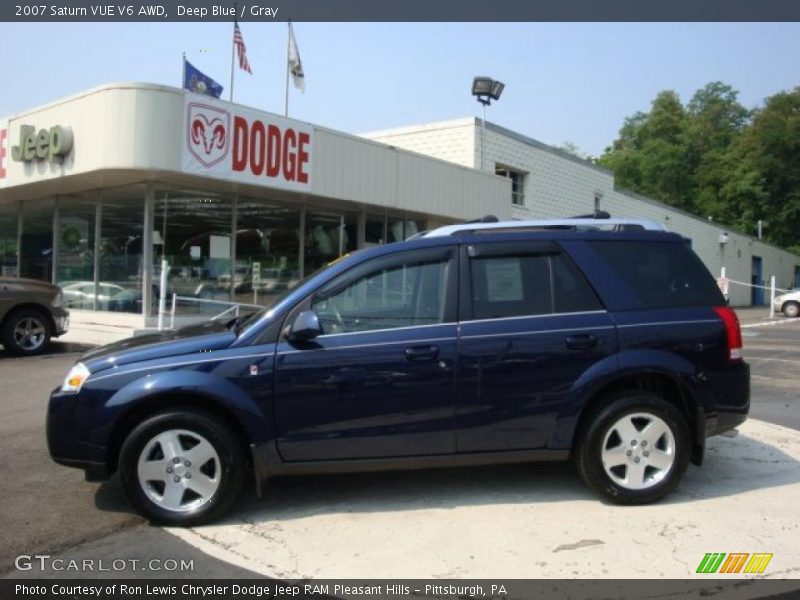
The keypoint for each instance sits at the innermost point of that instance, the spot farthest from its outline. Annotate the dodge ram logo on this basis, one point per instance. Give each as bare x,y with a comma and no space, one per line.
207,133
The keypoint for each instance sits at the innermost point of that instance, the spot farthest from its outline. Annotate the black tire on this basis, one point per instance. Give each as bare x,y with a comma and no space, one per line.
231,470
26,346
791,310
597,432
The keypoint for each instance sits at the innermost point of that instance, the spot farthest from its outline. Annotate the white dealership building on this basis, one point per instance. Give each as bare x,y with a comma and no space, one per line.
98,188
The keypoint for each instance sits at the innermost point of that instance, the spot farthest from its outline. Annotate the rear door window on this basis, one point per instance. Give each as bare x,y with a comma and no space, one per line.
515,285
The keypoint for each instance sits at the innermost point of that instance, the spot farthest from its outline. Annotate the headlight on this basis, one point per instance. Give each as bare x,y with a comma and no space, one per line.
58,301
75,378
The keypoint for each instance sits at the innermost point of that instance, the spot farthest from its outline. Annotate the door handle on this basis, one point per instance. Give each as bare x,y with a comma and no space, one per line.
581,341
422,353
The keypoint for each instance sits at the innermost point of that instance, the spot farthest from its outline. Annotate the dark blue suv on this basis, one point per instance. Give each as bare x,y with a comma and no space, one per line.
607,342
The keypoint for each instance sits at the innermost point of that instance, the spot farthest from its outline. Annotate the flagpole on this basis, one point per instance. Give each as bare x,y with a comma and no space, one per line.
233,49
288,42
183,70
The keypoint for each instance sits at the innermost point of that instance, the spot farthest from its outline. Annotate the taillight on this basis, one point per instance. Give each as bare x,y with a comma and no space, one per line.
732,331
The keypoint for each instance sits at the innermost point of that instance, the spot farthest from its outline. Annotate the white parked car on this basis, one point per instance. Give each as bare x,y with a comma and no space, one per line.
788,303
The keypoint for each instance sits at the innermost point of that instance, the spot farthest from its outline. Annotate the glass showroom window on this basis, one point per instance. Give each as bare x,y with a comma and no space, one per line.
8,239
400,229
375,230
192,232
328,236
75,235
36,251
267,249
121,259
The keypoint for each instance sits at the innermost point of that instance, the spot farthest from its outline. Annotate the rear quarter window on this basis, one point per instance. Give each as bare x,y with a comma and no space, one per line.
660,274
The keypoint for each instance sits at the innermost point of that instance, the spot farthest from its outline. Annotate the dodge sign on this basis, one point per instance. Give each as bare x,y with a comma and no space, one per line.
244,145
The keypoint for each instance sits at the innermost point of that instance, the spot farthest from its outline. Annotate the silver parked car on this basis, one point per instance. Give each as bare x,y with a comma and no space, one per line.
788,303
31,312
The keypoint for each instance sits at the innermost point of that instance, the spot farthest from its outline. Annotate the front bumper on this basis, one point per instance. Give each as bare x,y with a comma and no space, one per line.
69,436
60,321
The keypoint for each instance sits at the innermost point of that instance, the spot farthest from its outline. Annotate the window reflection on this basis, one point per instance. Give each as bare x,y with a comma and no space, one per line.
121,257
267,249
75,239
37,240
192,232
8,239
328,236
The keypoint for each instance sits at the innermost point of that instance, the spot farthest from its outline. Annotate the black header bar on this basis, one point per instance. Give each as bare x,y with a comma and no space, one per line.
399,10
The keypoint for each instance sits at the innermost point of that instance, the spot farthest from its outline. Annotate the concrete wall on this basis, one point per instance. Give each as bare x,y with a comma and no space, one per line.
560,185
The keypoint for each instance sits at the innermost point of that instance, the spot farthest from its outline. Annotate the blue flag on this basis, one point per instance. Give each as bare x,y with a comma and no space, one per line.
199,83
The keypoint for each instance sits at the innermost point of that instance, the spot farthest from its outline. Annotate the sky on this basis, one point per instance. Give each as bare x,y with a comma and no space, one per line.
564,82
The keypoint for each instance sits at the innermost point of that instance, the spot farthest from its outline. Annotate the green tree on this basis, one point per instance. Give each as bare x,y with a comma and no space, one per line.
650,156
716,122
717,158
770,148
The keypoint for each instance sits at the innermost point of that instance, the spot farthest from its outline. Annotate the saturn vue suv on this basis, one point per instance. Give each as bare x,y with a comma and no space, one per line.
602,341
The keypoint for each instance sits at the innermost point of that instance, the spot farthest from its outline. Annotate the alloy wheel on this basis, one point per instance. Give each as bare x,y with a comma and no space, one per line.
30,333
179,470
638,451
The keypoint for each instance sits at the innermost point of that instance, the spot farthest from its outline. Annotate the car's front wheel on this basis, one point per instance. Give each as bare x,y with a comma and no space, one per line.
634,449
791,309
26,332
182,467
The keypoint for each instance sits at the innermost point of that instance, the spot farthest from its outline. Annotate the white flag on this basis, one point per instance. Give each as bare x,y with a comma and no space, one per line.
295,65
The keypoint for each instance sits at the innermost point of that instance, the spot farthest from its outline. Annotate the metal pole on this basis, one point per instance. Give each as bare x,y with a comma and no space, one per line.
98,238
301,242
483,131
172,317
147,251
288,40
759,228
233,250
183,70
771,295
20,233
162,298
233,51
55,240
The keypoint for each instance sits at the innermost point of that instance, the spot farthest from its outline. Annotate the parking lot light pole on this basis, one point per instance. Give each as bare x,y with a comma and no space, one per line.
486,89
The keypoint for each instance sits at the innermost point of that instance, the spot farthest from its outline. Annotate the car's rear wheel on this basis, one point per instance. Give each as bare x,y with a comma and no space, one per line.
634,449
26,332
791,309
182,467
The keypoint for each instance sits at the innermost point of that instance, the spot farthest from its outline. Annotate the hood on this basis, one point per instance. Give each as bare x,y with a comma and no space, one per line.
212,335
793,294
33,285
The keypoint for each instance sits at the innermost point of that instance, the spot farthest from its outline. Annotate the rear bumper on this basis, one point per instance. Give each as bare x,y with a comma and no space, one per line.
730,401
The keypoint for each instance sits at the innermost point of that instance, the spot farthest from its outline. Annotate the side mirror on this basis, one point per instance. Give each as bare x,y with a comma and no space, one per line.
305,327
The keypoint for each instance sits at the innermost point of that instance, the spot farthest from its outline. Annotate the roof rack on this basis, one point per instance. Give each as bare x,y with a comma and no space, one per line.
572,224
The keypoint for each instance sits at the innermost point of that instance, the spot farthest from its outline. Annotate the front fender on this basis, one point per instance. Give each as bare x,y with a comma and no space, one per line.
211,388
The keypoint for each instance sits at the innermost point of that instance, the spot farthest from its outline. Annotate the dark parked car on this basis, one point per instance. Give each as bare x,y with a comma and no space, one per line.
31,313
607,342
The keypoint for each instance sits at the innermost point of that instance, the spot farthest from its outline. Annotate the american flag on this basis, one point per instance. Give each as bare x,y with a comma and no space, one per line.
241,49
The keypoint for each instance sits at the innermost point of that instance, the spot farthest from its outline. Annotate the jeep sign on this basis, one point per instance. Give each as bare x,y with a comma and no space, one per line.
45,145
240,144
